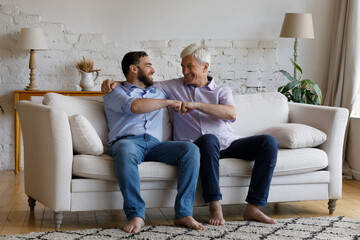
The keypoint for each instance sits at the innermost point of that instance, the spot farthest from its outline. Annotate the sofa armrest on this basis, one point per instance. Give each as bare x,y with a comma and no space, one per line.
48,154
332,121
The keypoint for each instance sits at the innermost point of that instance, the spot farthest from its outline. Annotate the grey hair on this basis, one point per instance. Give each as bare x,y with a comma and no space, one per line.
198,51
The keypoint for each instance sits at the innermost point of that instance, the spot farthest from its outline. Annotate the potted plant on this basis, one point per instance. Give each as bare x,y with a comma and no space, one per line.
88,74
300,90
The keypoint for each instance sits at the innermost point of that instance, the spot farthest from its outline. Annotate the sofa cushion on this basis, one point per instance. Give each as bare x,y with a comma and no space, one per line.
91,108
292,161
84,137
256,112
102,167
295,135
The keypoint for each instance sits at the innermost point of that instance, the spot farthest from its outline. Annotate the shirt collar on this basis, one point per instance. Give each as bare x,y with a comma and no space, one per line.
211,83
129,86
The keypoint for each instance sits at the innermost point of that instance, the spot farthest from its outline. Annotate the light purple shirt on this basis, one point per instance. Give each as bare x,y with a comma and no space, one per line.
191,126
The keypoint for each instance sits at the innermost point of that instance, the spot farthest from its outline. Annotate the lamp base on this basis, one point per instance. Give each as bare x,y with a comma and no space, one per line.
32,88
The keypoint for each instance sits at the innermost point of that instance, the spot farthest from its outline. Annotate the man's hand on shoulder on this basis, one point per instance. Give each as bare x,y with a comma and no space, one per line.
109,85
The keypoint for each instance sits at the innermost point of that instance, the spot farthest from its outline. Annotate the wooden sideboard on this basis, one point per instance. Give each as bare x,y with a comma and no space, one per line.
26,95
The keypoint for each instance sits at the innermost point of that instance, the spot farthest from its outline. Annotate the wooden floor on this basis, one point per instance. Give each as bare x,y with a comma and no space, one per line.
15,217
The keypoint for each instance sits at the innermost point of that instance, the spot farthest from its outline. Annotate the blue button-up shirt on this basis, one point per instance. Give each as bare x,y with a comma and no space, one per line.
122,122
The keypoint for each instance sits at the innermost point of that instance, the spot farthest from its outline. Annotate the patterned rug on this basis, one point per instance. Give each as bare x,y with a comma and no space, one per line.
292,228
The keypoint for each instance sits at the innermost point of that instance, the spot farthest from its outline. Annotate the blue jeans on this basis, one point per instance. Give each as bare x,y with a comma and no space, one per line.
261,148
130,151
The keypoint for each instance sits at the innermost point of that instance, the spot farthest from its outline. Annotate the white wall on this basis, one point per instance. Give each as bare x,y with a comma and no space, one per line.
106,29
128,20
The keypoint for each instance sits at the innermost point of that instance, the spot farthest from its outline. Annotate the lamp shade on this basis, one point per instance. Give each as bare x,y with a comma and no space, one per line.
31,38
297,25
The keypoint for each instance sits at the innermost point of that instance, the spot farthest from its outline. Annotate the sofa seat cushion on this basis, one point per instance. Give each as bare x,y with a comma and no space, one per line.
290,161
102,167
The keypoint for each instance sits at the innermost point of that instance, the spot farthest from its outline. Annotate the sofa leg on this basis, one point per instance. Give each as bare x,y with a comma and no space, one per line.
332,205
32,203
58,216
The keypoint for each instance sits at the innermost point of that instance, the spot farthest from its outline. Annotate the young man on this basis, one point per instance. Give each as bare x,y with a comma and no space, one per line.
207,111
133,112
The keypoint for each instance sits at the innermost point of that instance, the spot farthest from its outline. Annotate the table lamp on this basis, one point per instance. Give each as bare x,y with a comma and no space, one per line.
297,25
31,39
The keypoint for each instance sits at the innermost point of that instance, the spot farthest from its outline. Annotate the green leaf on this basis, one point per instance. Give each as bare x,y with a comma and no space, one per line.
287,75
2,110
297,67
289,86
318,92
297,95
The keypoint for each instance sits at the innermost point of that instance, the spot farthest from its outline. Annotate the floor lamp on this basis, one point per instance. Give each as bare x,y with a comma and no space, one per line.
31,39
297,25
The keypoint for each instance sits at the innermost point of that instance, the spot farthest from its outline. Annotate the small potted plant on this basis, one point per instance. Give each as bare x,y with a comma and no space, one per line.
88,74
300,90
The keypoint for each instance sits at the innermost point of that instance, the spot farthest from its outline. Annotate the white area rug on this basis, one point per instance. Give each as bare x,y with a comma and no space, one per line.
292,228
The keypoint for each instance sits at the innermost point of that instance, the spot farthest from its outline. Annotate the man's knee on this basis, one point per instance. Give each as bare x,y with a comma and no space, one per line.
270,141
124,152
209,141
191,149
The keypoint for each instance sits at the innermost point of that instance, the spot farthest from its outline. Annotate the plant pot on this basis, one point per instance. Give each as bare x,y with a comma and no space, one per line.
87,81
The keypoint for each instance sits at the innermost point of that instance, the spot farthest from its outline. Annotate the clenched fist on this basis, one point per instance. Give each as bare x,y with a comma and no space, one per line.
175,105
187,107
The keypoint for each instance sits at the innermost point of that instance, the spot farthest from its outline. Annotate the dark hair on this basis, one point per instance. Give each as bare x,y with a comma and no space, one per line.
131,58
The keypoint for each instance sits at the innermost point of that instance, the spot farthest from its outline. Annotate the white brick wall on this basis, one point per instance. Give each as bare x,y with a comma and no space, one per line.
247,66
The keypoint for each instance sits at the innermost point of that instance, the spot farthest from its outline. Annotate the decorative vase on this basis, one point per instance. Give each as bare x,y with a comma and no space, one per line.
88,79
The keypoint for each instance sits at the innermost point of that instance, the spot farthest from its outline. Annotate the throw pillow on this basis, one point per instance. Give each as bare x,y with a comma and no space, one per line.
90,107
294,135
85,138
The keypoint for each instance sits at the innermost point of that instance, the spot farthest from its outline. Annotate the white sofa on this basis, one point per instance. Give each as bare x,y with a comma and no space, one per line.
352,146
65,181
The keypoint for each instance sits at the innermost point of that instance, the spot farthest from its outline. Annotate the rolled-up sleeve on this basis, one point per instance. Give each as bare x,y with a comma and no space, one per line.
226,96
119,100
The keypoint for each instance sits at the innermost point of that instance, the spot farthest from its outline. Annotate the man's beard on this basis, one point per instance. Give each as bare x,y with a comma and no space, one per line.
144,79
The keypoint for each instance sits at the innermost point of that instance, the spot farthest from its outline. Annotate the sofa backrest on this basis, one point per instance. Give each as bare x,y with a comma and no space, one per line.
256,112
93,109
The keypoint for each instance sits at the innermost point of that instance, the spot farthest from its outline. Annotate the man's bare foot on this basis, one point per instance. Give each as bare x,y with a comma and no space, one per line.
216,214
253,213
134,225
189,222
